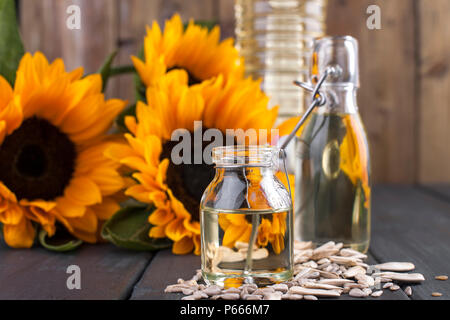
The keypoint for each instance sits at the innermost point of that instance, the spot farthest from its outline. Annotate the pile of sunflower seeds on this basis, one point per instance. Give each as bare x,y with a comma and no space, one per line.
327,271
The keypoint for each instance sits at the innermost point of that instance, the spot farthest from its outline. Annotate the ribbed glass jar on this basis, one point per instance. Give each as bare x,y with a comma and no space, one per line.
275,39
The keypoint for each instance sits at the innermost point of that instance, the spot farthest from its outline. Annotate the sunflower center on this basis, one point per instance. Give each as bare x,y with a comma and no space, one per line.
37,160
192,79
188,181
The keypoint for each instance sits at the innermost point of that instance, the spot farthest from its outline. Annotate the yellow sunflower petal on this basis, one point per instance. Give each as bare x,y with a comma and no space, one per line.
83,191
192,226
183,246
175,230
86,223
177,206
69,209
197,244
232,234
11,215
41,204
160,216
157,232
6,93
20,235
139,193
106,209
6,193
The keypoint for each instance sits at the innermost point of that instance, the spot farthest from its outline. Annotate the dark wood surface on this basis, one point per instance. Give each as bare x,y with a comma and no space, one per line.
408,224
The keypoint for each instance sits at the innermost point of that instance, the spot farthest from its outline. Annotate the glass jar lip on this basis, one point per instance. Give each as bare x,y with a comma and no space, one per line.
245,156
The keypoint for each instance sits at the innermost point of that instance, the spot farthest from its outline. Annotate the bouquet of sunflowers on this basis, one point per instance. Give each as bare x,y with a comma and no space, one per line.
67,178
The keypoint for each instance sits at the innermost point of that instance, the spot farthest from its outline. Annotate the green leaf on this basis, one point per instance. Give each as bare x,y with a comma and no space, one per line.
128,111
105,70
11,46
62,241
129,228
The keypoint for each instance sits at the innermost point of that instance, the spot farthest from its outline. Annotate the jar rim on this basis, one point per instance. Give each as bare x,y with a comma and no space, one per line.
244,155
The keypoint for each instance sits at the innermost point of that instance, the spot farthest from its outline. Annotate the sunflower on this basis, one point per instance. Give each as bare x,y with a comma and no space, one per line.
176,190
194,49
237,228
53,127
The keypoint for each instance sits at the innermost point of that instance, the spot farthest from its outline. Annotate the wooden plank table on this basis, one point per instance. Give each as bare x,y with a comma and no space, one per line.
408,224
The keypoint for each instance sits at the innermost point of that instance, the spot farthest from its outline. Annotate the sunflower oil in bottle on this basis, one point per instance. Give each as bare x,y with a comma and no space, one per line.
226,237
275,38
333,163
246,220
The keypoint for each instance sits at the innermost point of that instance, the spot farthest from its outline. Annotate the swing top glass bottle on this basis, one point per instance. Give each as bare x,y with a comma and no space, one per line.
332,201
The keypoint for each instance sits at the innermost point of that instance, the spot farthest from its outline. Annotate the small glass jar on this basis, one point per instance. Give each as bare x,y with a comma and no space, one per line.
246,206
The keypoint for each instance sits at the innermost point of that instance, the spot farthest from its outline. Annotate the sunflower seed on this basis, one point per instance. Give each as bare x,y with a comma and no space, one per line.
212,290
280,287
187,292
301,245
335,282
252,297
377,293
176,288
323,261
353,271
200,295
232,256
259,254
347,261
302,273
355,285
324,253
365,279
402,277
273,296
310,297
395,266
243,245
442,278
230,296
191,297
310,264
231,290
357,293
315,292
388,285
367,291
313,285
394,287
352,253
289,296
436,294
408,291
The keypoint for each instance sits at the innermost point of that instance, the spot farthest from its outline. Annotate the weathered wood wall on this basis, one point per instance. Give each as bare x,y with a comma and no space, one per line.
404,98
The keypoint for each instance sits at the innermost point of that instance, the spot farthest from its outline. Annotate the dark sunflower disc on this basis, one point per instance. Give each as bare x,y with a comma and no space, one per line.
37,160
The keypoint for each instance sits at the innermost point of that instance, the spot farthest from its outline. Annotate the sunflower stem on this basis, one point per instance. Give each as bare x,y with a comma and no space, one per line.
121,70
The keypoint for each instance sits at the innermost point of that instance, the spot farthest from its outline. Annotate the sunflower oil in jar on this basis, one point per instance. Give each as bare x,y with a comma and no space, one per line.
275,38
246,220
332,156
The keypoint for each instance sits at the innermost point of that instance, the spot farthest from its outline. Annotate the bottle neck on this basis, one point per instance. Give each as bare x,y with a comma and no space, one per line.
340,99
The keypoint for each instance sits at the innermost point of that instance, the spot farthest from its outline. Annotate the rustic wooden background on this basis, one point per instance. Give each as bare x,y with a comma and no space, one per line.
405,77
